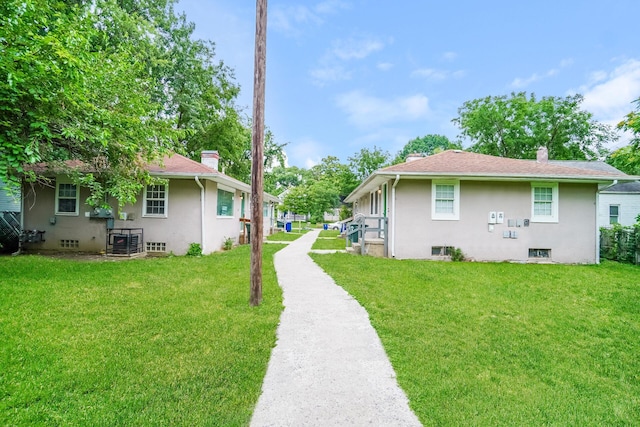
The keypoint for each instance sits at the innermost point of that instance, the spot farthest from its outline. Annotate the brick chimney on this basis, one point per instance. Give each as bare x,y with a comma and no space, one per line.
210,158
542,155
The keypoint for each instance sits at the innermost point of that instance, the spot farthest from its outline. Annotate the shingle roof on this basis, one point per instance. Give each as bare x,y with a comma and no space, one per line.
181,164
457,162
623,187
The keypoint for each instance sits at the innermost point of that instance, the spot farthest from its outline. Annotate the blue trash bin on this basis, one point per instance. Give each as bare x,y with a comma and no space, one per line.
287,227
325,226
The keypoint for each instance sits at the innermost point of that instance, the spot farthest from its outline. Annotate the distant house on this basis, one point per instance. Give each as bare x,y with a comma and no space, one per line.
198,204
492,208
619,204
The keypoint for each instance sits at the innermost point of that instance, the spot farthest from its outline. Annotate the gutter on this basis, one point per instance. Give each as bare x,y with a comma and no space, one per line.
393,218
202,222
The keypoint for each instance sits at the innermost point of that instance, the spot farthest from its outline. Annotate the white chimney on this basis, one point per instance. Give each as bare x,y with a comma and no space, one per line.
414,156
542,155
210,158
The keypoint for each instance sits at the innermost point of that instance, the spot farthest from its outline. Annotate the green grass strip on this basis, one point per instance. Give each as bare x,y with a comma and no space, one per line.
505,344
329,243
163,341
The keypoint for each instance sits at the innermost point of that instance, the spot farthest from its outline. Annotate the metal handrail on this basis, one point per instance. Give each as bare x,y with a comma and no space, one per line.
361,229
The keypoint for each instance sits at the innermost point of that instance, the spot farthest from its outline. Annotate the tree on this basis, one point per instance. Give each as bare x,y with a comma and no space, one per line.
517,125
367,161
280,178
428,144
627,158
113,84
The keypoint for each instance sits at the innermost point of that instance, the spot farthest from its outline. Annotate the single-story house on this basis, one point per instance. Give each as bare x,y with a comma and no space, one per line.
492,208
619,204
198,204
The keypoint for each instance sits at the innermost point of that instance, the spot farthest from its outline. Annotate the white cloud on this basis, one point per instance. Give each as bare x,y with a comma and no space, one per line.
609,95
291,19
449,56
519,83
305,153
384,66
367,111
433,74
328,74
356,48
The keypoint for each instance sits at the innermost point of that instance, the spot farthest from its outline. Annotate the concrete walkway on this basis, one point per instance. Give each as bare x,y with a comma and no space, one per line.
328,367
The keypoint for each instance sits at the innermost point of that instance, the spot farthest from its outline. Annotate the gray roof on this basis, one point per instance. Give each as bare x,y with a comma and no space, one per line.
623,187
586,164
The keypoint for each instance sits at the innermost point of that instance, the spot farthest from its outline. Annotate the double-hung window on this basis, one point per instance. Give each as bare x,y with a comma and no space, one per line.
67,199
544,202
614,214
225,202
155,201
445,200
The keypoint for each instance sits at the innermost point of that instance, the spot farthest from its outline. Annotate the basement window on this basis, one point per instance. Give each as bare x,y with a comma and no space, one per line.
156,247
539,253
69,244
441,250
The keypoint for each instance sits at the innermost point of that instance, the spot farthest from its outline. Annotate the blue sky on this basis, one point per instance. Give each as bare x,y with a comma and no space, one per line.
347,74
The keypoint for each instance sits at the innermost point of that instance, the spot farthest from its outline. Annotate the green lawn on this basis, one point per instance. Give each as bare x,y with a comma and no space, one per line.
282,236
163,341
334,242
505,344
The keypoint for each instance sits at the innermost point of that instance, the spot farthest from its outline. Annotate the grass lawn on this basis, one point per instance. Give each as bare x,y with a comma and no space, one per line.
282,236
334,242
162,341
505,344
329,233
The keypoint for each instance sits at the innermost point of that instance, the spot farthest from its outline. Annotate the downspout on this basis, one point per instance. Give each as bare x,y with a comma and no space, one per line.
393,217
597,226
202,223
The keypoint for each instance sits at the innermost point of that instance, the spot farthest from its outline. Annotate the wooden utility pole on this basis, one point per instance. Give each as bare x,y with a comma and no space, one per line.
257,151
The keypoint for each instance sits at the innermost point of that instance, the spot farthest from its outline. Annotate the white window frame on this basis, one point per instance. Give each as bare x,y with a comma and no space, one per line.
617,216
374,202
233,200
165,214
553,217
446,216
76,212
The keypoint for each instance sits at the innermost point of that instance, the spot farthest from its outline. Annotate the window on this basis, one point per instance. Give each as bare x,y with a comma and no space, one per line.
614,214
69,244
374,202
544,202
155,201
441,250
225,203
156,247
265,209
445,200
539,253
66,199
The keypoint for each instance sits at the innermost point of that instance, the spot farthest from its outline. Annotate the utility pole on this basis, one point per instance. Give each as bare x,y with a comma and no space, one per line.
257,152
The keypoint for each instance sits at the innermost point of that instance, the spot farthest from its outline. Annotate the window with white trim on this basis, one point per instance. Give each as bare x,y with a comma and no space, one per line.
225,203
67,199
265,209
445,200
374,202
614,214
155,201
544,202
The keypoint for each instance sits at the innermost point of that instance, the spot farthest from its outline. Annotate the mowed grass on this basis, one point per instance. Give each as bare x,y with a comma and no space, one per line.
329,239
165,341
505,344
282,236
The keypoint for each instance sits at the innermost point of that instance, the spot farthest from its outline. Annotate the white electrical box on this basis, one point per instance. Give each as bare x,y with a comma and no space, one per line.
493,217
500,218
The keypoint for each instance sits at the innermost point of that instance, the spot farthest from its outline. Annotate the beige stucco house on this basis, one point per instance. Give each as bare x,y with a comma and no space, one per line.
492,208
198,204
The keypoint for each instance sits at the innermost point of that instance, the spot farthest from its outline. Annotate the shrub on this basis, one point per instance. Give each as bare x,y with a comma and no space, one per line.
457,254
194,250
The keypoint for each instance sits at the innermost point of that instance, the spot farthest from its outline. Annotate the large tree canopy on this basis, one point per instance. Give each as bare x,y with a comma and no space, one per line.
366,161
516,126
112,83
428,144
627,158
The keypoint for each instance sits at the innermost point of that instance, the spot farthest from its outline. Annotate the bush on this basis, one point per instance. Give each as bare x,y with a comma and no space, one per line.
194,250
457,254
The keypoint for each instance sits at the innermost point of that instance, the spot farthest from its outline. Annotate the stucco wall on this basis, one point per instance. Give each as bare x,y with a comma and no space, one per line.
571,240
